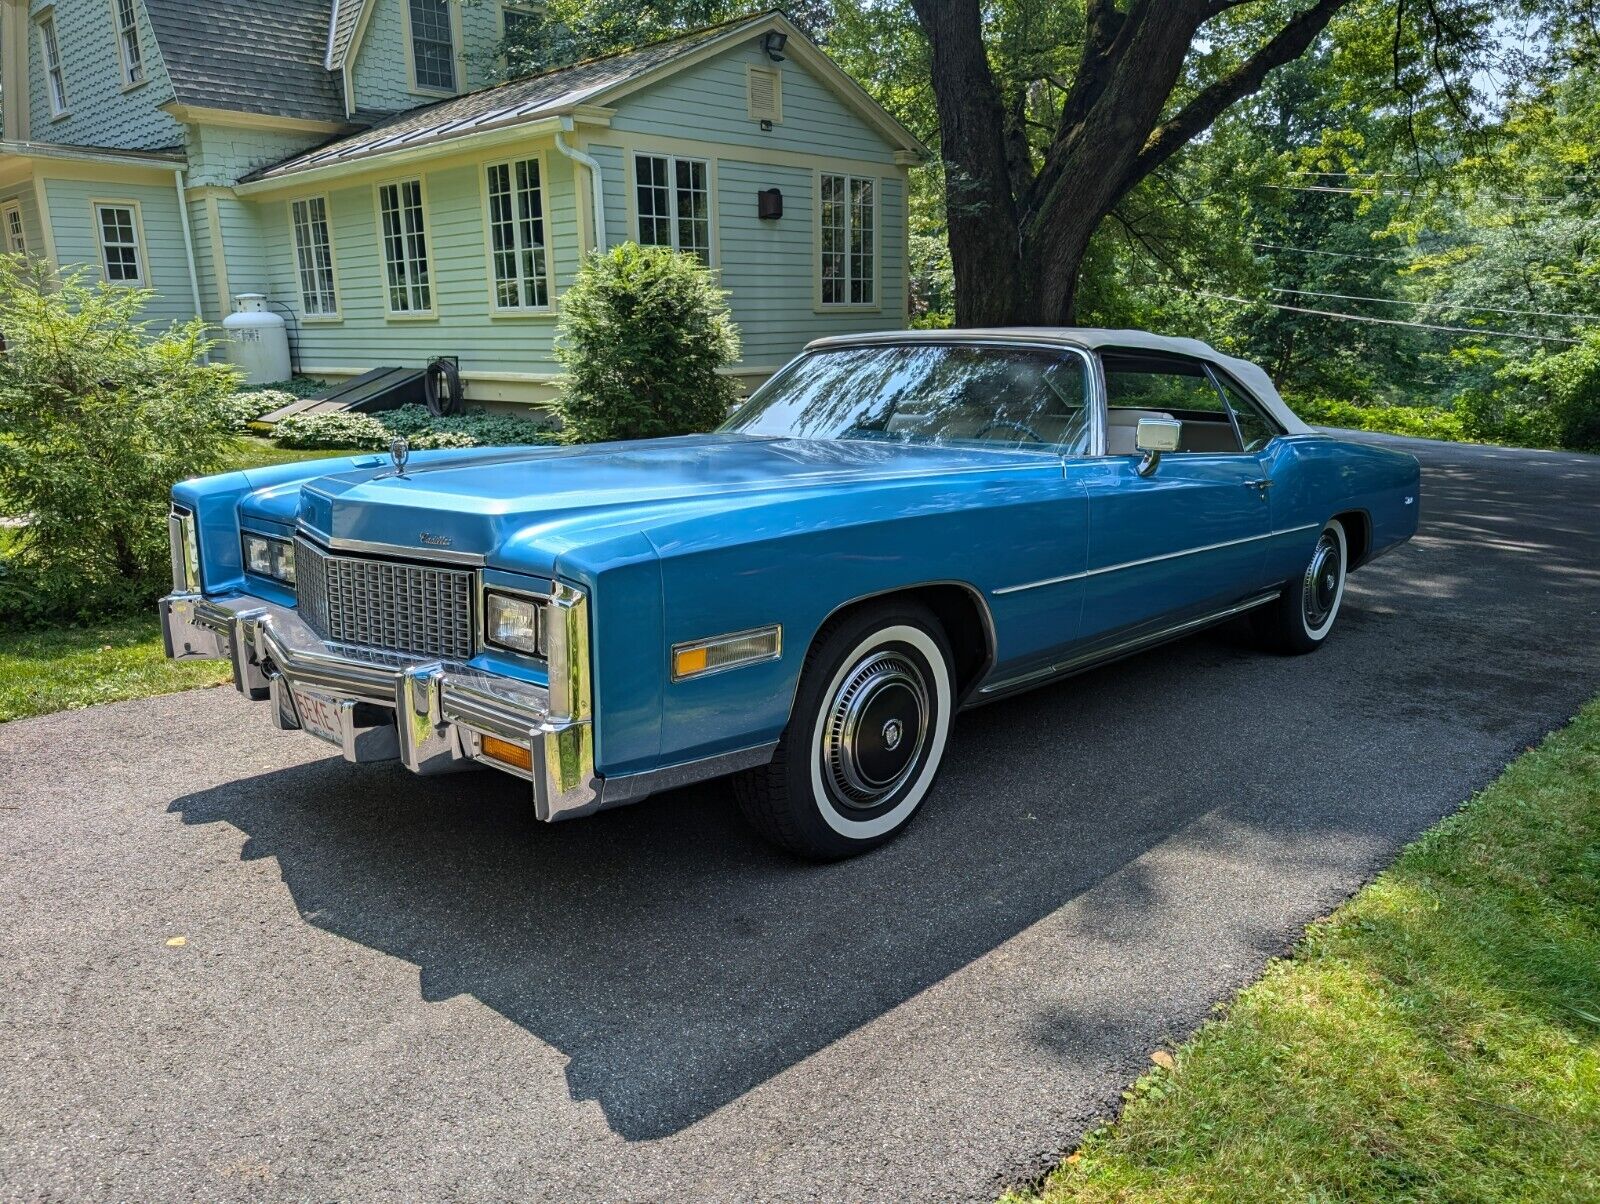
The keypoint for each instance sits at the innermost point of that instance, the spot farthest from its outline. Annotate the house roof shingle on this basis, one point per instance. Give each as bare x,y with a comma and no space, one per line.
546,94
253,56
346,16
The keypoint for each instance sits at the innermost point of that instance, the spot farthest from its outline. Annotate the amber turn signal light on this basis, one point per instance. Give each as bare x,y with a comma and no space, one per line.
507,752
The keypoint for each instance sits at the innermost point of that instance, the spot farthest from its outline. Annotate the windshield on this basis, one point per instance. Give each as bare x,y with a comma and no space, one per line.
942,394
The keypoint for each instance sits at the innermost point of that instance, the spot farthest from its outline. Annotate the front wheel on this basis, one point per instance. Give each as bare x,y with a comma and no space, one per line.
1304,614
865,739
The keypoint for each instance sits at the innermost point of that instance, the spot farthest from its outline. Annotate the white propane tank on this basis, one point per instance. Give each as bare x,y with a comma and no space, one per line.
257,342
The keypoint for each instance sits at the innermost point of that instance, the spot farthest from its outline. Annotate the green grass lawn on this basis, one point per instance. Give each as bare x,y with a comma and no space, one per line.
56,668
76,665
1436,1039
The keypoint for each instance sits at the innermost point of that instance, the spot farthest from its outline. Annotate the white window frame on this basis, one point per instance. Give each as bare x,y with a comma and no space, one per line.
408,263
128,40
11,227
751,70
549,275
140,258
55,75
307,313
636,216
518,8
453,16
876,276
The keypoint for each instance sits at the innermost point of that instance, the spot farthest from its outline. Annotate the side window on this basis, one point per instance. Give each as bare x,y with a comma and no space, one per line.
1255,425
1146,385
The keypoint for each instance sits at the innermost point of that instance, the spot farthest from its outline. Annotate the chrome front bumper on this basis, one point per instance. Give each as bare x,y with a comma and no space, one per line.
430,715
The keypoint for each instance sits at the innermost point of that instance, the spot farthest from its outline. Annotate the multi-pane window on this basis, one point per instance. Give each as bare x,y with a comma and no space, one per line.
520,23
50,49
313,253
128,43
433,50
119,244
405,247
674,203
849,252
517,235
16,240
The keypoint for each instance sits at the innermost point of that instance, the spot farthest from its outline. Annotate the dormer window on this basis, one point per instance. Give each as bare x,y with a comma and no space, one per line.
128,43
433,48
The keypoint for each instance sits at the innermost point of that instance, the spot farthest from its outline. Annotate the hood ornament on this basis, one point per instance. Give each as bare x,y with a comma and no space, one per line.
399,452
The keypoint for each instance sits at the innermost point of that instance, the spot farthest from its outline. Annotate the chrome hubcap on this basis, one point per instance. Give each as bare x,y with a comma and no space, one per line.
875,728
1321,592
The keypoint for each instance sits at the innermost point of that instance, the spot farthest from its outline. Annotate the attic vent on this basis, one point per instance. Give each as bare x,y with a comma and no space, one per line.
764,93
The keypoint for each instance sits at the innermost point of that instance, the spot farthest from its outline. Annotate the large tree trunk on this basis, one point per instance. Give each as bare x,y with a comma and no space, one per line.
1017,246
985,248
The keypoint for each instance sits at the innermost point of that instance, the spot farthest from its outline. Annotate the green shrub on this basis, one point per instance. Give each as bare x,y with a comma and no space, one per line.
245,406
643,332
420,428
1421,422
99,415
339,429
1568,386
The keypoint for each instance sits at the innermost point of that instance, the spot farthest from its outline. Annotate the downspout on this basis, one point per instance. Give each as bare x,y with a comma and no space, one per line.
189,240
596,187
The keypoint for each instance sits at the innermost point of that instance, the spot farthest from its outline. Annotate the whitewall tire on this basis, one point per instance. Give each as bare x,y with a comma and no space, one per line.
866,737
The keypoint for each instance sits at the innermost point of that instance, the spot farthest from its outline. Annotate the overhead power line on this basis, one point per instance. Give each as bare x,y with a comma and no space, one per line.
1271,246
1486,309
1328,313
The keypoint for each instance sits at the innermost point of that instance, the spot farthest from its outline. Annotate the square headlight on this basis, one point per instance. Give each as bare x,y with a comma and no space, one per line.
511,621
269,557
258,555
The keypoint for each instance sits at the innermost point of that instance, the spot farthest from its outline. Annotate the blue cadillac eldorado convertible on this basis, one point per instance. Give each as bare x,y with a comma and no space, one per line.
894,527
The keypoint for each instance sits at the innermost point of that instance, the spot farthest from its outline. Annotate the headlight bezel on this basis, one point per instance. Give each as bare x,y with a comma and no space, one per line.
276,560
535,605
184,539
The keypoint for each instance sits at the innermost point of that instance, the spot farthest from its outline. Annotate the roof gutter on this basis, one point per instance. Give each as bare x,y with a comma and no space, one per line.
408,154
596,185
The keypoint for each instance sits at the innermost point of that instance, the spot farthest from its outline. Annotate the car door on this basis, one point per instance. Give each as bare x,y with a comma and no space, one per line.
1187,539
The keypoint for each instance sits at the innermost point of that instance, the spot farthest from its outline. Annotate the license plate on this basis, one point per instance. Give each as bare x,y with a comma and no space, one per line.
319,715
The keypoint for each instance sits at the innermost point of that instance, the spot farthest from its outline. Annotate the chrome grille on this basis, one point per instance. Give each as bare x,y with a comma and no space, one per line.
420,609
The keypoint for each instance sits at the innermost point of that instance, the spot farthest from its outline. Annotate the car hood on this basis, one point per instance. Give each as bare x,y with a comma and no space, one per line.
473,502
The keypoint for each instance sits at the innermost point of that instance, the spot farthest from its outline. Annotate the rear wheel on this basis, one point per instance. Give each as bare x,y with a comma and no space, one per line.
1304,614
865,739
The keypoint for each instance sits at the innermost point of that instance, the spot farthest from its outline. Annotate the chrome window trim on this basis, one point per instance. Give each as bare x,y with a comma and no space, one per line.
1131,564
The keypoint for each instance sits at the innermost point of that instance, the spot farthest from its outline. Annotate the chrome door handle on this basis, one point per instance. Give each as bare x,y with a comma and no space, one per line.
1264,484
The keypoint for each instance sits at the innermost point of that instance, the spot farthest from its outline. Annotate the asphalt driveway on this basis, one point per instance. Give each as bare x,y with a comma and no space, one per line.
406,988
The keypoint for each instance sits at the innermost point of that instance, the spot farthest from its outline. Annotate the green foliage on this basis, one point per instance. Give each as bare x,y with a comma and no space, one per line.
1436,1039
1555,398
99,415
642,334
1421,422
419,427
245,406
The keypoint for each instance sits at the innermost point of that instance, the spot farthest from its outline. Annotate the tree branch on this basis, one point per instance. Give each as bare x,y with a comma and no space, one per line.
1289,43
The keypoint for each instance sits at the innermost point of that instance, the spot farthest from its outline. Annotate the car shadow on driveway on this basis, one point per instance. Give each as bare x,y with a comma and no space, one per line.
677,962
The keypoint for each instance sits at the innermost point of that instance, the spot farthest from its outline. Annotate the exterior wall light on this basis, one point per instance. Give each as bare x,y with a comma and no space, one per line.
773,43
769,204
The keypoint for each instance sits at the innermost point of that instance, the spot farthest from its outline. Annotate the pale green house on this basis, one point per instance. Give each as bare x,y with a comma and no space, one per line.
346,158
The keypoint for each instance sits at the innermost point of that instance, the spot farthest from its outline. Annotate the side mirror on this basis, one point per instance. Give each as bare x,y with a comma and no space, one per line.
1154,436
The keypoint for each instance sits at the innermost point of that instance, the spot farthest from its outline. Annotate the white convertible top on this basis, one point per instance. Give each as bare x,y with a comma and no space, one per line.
1093,338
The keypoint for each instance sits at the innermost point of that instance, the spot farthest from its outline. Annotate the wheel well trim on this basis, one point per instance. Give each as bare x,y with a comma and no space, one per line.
1365,515
985,615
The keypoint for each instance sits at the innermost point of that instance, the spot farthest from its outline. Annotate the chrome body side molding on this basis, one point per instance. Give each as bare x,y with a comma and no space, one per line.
1133,564
1091,658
